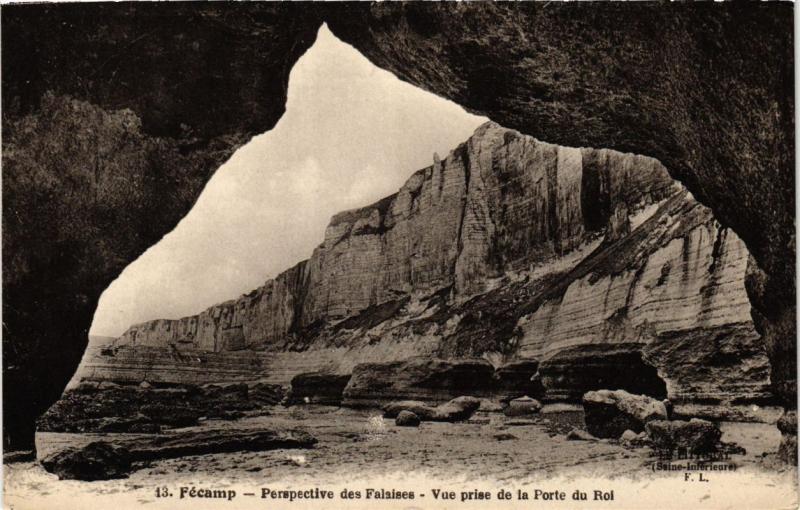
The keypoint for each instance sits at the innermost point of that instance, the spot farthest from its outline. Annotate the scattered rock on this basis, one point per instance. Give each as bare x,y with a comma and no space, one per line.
580,435
631,439
694,437
407,419
609,413
523,406
421,409
145,385
95,461
458,409
504,436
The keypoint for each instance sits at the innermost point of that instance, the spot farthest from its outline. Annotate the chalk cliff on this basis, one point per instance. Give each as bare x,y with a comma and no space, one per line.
594,262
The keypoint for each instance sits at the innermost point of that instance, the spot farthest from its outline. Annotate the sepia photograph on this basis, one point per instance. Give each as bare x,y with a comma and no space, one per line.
399,255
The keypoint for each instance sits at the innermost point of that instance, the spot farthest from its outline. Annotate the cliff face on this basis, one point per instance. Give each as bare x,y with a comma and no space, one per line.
499,202
508,248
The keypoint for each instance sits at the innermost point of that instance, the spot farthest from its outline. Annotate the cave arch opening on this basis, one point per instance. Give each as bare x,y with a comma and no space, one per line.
321,74
731,216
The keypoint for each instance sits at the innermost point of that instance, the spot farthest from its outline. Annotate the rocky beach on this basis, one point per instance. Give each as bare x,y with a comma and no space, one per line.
488,450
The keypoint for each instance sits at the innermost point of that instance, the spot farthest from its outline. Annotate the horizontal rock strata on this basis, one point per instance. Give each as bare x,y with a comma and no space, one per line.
499,202
417,379
145,408
583,262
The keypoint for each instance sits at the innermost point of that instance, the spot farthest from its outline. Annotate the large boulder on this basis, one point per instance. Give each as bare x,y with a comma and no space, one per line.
458,409
421,409
787,423
689,437
95,461
422,378
608,414
407,419
318,388
523,406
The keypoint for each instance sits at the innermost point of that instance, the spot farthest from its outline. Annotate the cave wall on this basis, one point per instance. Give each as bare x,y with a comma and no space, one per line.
705,88
114,118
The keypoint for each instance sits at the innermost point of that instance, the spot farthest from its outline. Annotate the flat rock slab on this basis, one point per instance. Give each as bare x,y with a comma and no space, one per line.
103,460
216,441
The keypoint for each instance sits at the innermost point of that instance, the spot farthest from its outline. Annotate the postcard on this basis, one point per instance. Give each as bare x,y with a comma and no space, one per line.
399,255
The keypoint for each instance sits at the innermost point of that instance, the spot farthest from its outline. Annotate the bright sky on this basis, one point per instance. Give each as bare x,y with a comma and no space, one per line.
351,134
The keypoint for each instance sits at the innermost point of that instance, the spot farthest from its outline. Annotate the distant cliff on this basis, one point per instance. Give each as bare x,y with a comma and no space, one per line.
507,248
